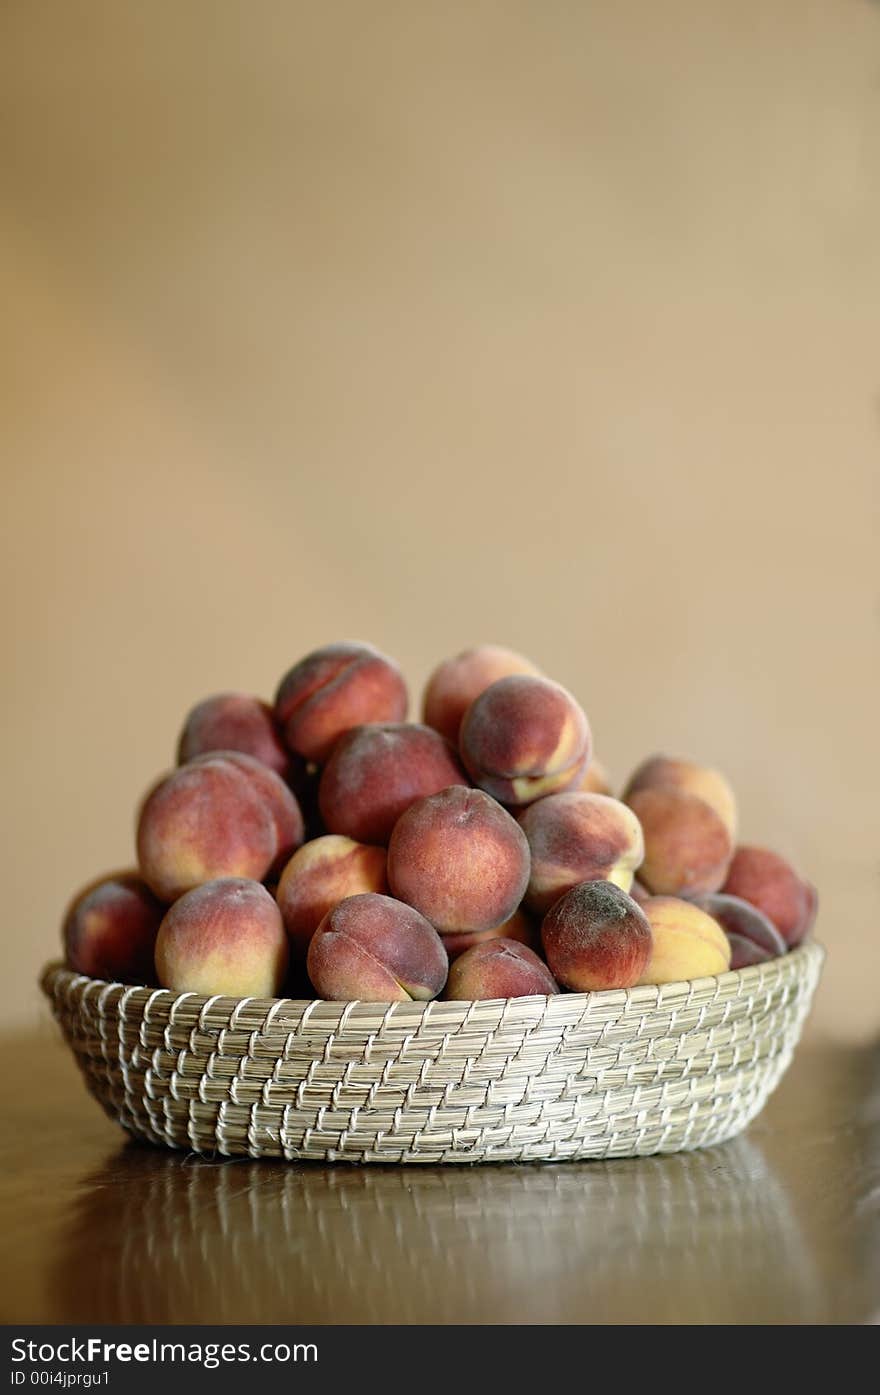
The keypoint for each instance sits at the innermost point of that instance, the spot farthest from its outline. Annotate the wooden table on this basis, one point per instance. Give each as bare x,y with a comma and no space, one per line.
781,1225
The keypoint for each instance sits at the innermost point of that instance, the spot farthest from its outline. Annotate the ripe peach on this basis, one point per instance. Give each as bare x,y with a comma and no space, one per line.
456,682
577,837
685,942
638,892
320,875
215,817
375,949
110,929
753,938
498,969
225,936
377,771
659,772
767,881
336,688
233,722
278,797
460,859
523,738
596,937
519,927
688,846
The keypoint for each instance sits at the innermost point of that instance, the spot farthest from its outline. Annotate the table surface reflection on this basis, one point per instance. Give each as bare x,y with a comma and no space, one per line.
780,1225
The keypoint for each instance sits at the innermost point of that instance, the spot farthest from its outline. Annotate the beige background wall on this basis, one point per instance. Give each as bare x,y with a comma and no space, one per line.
546,323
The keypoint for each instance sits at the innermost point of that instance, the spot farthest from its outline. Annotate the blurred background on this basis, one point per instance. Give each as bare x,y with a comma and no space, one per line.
547,324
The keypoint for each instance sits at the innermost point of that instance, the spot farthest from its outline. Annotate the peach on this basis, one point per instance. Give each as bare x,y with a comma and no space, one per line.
221,815
523,738
233,722
333,689
279,798
596,937
110,929
320,875
669,772
753,938
460,859
375,949
685,942
225,936
688,846
771,884
595,779
456,682
638,892
498,969
377,771
577,837
519,927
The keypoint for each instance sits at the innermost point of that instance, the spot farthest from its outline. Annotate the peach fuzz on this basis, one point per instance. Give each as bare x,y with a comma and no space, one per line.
770,883
233,722
455,683
524,738
333,689
596,937
110,929
669,772
685,942
498,969
519,927
688,846
226,937
578,837
209,819
460,859
320,875
753,938
377,771
377,950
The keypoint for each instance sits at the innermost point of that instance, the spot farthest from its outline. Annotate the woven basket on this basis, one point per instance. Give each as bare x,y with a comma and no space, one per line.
580,1075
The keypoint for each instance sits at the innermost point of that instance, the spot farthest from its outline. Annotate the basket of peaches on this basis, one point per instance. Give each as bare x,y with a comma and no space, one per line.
353,937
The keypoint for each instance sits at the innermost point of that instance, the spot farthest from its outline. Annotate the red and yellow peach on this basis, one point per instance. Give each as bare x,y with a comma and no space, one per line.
688,846
333,689
225,936
110,929
457,682
320,875
378,950
770,883
234,722
460,859
377,771
579,837
524,738
685,942
498,968
596,937
222,815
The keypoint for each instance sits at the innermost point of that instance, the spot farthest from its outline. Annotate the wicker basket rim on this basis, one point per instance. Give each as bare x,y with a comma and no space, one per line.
57,977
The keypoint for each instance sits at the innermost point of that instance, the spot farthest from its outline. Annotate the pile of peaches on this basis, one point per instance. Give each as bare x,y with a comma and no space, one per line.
324,846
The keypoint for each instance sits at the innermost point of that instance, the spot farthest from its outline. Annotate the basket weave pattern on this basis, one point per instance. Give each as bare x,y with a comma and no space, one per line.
614,1074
